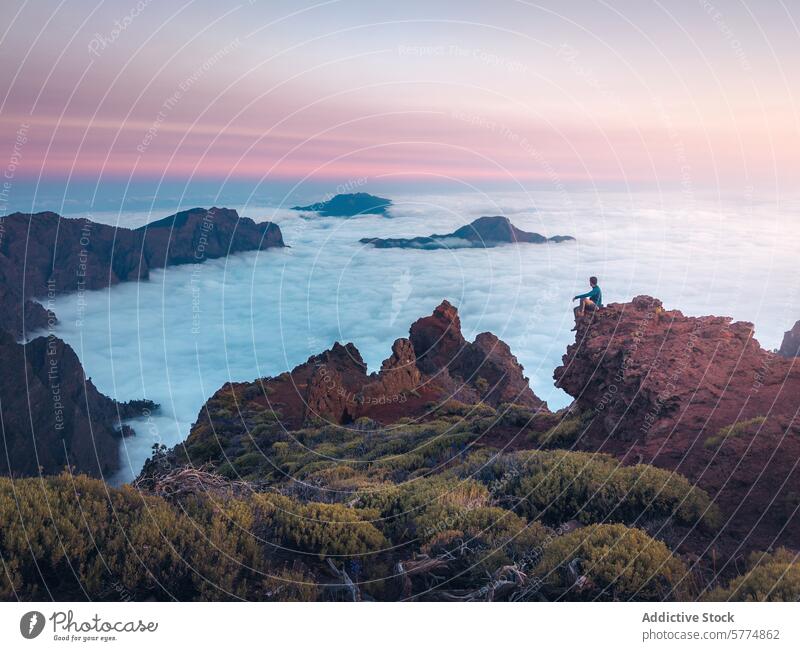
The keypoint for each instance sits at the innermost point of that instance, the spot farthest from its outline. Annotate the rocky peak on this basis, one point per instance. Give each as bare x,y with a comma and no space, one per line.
434,364
399,373
437,339
349,205
484,232
496,229
790,347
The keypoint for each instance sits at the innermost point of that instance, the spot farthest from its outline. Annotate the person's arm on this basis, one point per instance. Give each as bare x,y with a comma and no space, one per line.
586,295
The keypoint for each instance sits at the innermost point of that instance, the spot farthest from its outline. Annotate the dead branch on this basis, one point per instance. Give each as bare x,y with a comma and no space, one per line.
346,582
191,481
505,583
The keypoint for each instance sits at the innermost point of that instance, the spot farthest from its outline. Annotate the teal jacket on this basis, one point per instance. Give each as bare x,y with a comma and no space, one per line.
594,294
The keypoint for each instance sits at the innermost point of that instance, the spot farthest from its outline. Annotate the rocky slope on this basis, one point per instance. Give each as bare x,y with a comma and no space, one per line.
53,416
484,232
698,395
349,205
44,254
790,346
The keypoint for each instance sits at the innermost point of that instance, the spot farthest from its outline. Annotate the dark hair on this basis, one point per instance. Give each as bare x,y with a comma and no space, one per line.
593,280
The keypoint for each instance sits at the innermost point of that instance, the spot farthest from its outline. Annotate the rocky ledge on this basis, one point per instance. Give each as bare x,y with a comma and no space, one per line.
484,232
44,254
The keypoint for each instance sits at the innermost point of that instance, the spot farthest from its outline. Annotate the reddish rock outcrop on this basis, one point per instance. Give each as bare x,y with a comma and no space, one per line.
663,388
645,371
44,254
484,370
399,374
334,379
790,346
52,415
435,364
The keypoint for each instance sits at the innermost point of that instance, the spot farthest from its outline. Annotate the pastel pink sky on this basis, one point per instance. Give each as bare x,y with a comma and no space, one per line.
640,93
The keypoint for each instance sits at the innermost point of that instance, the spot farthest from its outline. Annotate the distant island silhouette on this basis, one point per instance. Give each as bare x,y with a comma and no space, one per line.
484,232
349,205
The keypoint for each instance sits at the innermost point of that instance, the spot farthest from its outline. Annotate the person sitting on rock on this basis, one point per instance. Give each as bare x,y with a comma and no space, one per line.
591,300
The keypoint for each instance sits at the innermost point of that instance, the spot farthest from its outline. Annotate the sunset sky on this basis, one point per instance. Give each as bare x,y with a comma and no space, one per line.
687,95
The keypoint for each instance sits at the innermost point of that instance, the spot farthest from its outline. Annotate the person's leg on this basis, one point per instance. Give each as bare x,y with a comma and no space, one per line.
586,304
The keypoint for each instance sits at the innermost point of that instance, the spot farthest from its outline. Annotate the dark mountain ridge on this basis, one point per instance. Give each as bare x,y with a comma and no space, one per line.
44,254
53,416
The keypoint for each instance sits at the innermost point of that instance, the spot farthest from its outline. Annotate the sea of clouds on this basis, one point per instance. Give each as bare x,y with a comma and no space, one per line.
178,337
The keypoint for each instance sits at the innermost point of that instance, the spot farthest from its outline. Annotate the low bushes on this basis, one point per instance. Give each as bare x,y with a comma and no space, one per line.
321,529
71,537
565,433
558,486
770,577
739,428
611,562
419,509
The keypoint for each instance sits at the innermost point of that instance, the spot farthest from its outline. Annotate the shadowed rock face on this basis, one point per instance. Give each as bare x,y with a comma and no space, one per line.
485,232
434,364
44,254
790,347
52,416
349,205
665,389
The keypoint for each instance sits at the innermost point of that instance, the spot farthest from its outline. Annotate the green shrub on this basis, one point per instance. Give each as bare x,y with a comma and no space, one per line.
770,577
611,562
457,408
513,415
314,528
421,508
558,486
750,426
494,530
565,433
